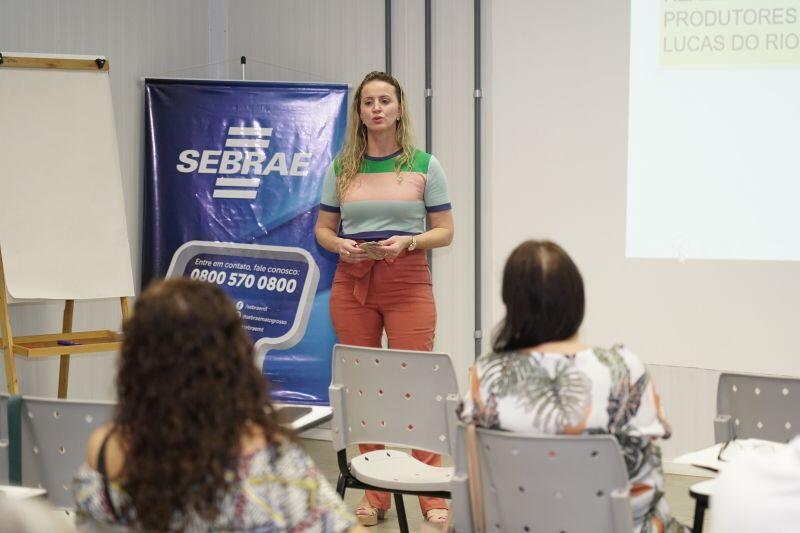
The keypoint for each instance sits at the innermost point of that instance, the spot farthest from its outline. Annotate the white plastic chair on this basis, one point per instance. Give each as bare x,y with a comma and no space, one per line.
574,484
752,406
398,398
54,437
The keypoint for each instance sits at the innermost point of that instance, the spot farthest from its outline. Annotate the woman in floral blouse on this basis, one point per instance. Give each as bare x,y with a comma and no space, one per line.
540,378
194,444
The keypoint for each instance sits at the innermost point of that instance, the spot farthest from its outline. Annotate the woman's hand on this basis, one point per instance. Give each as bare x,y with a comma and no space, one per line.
349,252
394,245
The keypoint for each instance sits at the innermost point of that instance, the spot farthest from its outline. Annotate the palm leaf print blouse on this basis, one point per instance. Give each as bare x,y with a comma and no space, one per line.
593,391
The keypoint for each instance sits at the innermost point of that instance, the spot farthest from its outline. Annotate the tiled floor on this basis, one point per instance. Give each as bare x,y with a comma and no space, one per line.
677,490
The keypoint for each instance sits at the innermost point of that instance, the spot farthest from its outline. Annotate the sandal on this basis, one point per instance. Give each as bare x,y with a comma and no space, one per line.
369,516
436,516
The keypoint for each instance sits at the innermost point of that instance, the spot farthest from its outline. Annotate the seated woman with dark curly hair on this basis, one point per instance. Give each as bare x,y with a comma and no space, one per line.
194,444
540,378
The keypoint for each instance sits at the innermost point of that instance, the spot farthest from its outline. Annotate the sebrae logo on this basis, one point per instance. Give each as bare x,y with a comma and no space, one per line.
240,169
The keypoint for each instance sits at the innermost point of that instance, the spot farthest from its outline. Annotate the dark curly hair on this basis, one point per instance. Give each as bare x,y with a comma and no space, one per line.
543,294
187,389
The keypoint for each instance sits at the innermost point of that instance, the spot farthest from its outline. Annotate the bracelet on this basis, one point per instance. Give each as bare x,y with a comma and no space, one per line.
413,245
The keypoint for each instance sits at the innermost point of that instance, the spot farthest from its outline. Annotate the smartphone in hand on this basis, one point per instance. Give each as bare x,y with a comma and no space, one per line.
373,250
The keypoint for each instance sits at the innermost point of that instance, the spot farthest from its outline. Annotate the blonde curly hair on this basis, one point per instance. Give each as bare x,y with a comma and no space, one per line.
352,155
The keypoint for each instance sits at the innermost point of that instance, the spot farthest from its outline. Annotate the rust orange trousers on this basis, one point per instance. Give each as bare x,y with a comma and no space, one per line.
397,296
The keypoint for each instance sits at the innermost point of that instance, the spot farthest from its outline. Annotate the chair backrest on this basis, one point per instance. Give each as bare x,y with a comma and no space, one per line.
398,397
54,436
545,483
762,407
4,442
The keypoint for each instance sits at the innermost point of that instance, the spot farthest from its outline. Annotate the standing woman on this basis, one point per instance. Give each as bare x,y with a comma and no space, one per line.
381,190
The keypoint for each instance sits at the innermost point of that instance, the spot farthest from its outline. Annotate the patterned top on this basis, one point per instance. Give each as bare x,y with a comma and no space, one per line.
593,391
381,202
280,489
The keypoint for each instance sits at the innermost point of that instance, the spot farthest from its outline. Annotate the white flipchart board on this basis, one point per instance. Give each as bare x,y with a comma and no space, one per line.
62,223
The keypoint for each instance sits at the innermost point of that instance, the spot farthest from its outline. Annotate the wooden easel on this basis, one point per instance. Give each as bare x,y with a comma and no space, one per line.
46,345
53,62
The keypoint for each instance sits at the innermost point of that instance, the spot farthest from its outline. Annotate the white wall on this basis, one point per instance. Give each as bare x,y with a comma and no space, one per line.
559,127
303,40
555,102
142,38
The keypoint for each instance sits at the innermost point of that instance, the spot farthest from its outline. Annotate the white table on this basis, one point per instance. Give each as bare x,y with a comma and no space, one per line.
19,493
708,458
302,417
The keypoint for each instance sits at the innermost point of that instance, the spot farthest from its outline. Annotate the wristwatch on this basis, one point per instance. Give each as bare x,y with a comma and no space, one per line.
413,245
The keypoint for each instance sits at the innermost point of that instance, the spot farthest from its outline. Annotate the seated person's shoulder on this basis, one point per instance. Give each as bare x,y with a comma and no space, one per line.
253,439
492,356
487,360
114,454
631,359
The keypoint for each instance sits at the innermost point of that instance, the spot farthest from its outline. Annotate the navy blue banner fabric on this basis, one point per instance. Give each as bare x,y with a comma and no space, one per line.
243,162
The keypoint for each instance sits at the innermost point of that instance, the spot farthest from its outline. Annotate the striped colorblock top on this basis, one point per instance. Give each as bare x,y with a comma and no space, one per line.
380,202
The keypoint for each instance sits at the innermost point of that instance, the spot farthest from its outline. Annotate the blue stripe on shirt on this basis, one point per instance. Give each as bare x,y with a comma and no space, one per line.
436,208
375,235
329,208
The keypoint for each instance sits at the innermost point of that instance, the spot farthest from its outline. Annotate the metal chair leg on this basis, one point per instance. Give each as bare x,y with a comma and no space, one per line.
699,516
401,513
341,486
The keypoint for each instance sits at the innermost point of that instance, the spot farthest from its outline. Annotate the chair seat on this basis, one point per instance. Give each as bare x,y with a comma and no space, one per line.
398,470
